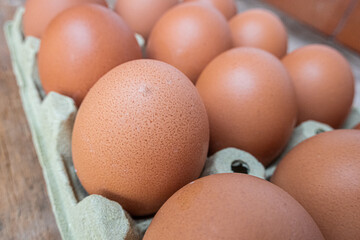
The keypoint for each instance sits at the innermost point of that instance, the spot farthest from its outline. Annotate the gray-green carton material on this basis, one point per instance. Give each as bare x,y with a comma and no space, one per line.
304,131
226,160
51,118
353,119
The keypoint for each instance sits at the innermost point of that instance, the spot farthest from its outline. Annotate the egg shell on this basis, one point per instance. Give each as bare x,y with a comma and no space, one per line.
357,127
80,46
323,82
322,173
141,15
39,13
250,102
188,37
141,134
226,7
232,206
259,28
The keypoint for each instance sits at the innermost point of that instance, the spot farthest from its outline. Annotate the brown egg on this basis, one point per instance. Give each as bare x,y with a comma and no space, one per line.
226,7
188,37
141,15
323,82
357,127
232,206
250,102
259,28
322,173
80,46
39,13
141,134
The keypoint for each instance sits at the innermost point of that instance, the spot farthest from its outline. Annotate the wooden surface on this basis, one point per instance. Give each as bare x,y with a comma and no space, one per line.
25,211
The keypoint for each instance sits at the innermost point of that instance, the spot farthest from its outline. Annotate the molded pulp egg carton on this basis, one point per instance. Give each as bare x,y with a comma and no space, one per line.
79,215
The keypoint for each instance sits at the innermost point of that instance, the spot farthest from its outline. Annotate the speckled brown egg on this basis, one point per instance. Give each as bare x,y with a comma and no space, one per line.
39,13
188,37
250,102
322,173
226,7
232,206
141,134
141,15
323,82
259,28
80,46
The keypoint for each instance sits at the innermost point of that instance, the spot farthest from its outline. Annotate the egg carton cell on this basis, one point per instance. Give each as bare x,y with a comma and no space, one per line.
51,118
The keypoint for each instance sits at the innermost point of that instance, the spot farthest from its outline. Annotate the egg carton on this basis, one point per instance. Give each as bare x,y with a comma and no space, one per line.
51,118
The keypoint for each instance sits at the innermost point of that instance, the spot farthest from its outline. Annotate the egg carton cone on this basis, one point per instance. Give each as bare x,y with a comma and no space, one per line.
304,131
51,118
309,129
111,3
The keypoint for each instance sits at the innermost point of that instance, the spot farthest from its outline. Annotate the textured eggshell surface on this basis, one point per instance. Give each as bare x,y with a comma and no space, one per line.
322,173
323,82
189,36
80,46
39,13
141,134
259,28
232,206
141,15
250,102
226,7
